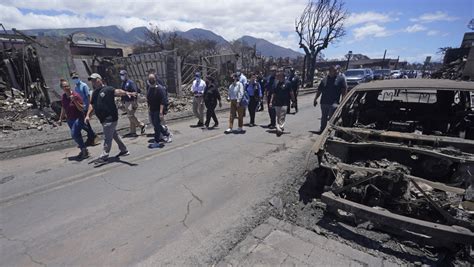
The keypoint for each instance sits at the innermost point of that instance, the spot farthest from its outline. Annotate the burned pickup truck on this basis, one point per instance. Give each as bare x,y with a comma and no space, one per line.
400,154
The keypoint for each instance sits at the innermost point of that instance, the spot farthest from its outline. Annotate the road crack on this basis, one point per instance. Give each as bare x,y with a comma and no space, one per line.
26,251
194,195
188,206
188,209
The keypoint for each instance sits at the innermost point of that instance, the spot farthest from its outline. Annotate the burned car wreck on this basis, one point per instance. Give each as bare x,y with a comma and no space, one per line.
400,154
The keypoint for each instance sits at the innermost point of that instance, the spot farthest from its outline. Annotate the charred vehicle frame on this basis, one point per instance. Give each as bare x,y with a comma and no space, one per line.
400,154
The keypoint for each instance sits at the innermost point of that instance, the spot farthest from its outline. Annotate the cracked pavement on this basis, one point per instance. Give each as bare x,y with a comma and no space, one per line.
188,203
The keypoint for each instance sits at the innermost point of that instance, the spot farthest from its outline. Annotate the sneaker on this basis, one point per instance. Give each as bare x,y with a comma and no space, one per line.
123,153
155,145
101,160
279,133
168,139
142,129
228,131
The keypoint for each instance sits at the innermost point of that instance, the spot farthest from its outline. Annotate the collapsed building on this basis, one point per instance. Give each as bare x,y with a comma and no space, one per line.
458,63
31,67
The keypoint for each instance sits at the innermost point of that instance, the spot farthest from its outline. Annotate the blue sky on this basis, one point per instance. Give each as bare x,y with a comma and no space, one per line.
409,29
445,29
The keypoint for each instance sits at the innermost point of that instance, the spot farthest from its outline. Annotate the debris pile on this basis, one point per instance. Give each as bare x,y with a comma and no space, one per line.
16,114
179,104
453,70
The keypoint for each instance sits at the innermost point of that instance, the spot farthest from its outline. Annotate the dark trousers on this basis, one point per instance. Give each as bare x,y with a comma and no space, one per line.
211,113
295,103
253,103
271,112
260,105
88,128
158,128
326,114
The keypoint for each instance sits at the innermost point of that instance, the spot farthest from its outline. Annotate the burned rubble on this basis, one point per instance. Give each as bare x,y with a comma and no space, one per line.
401,155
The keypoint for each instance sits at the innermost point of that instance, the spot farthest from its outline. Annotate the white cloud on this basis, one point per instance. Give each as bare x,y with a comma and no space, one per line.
431,17
436,33
370,30
365,17
230,19
415,28
420,58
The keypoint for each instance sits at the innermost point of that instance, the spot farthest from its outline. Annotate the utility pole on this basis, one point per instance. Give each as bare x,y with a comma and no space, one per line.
396,64
383,59
348,58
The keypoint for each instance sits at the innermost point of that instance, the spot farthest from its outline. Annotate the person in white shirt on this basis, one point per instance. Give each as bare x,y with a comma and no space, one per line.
236,92
242,78
198,102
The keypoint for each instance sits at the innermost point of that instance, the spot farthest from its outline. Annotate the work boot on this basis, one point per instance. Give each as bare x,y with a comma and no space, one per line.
130,135
84,154
92,142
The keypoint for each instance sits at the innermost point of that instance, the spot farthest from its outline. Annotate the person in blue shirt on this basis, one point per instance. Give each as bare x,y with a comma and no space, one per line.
83,90
254,92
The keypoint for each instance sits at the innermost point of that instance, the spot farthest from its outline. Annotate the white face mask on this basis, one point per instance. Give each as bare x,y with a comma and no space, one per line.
122,78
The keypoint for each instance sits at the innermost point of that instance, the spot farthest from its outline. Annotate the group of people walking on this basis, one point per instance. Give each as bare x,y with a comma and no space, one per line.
80,103
279,90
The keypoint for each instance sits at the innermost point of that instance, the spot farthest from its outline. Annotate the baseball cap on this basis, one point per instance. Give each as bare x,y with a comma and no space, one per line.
74,75
95,76
123,72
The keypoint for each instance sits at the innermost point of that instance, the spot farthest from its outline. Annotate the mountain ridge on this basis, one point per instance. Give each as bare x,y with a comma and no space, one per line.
137,35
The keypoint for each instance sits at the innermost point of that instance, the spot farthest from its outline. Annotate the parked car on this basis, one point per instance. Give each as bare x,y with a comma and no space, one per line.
356,76
412,74
382,74
400,154
370,73
395,74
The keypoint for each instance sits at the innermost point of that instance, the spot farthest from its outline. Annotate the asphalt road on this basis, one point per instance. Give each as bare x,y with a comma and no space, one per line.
187,203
